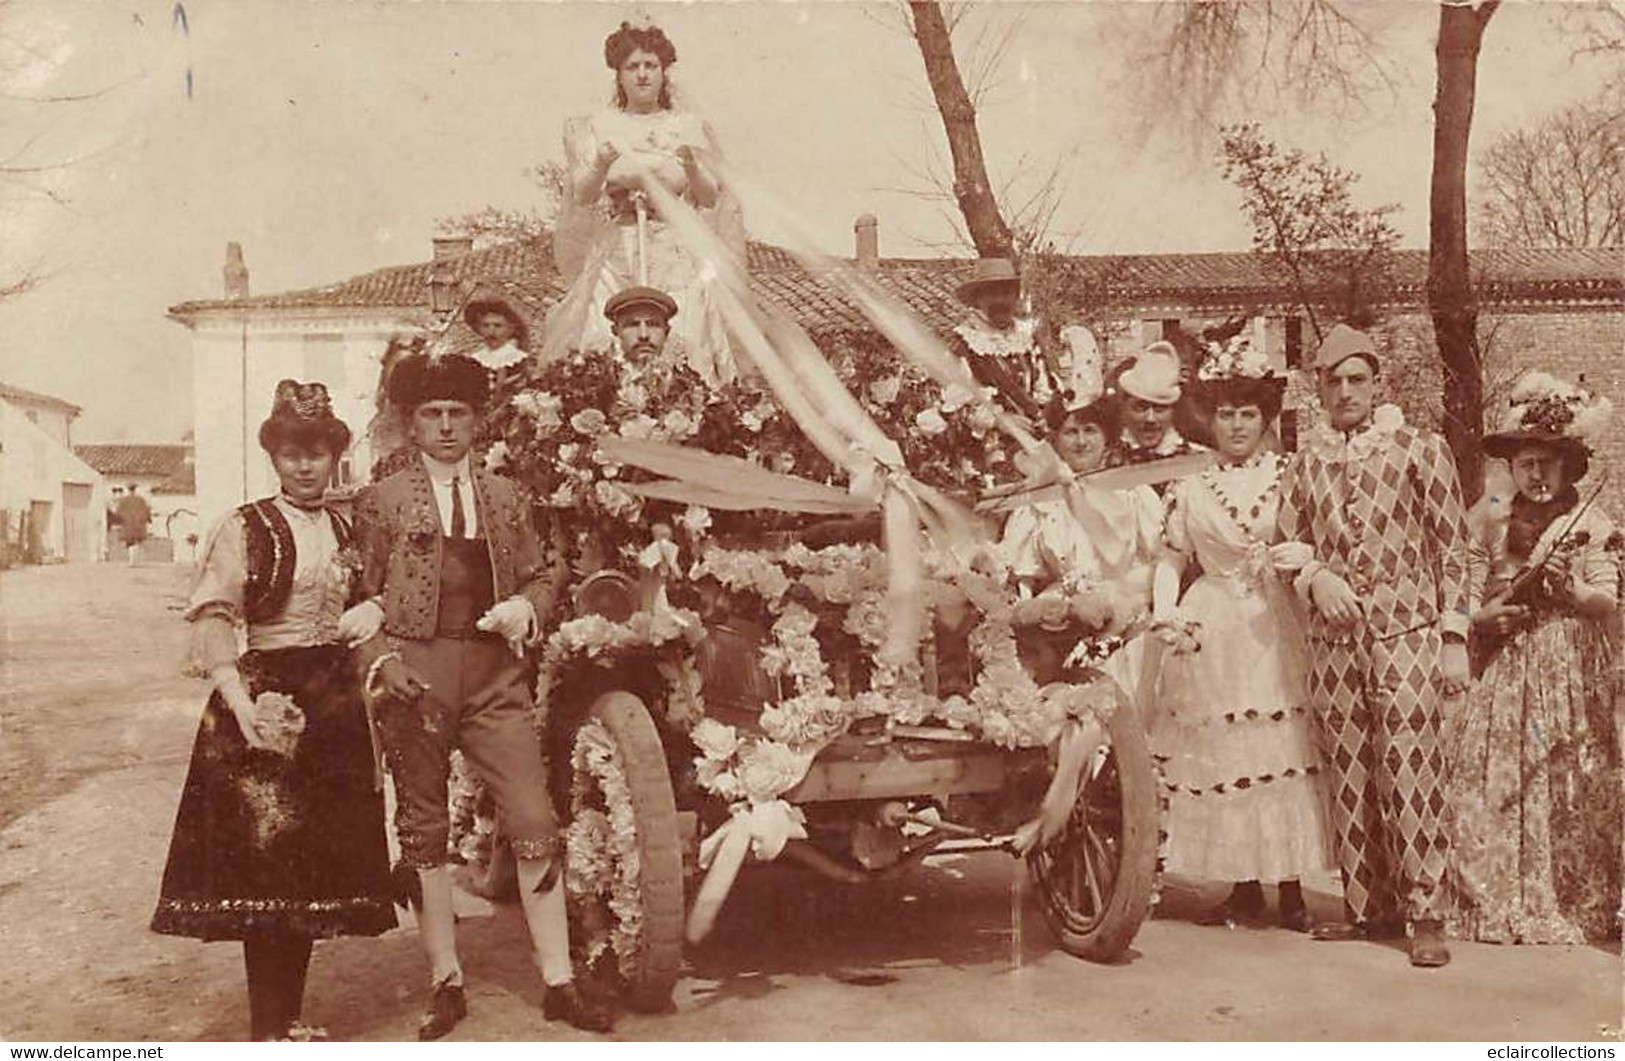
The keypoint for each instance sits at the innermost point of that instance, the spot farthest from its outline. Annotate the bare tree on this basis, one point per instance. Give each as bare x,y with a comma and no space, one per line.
498,224
1560,183
1333,257
988,230
1451,300
1205,53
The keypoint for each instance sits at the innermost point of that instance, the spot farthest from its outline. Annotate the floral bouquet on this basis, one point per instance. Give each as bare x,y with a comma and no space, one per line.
279,722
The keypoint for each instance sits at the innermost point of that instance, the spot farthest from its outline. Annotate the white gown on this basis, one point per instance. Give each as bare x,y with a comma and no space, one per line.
1241,770
597,248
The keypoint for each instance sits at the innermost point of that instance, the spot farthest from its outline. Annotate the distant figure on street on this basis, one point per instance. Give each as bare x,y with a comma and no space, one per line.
134,516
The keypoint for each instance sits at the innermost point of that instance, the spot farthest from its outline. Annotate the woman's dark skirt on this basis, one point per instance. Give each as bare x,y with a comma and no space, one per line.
267,843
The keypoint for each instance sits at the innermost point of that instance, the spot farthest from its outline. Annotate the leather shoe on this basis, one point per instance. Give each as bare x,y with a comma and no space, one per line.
446,1009
1428,949
1337,931
569,1003
1295,917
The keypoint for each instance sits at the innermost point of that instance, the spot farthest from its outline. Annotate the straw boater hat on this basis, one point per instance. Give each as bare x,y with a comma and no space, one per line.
1553,412
482,303
1342,343
989,273
423,378
640,296
1154,375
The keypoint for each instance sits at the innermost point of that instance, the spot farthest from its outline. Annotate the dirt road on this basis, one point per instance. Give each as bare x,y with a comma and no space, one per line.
97,725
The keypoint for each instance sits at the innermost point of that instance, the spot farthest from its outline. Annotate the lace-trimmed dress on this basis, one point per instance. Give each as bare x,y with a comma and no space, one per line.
1239,762
1535,769
264,841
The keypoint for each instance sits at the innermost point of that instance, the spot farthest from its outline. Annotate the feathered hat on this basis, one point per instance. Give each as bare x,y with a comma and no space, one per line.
1552,411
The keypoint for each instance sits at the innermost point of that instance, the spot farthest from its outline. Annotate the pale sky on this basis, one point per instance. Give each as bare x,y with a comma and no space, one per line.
327,138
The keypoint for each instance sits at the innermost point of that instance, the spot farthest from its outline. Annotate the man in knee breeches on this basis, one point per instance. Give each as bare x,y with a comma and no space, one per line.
453,562
1378,502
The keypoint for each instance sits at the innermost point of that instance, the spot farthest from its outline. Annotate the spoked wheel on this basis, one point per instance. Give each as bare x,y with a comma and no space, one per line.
624,864
1096,878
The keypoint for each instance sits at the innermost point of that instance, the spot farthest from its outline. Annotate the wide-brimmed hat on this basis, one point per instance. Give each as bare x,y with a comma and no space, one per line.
1154,375
303,412
421,378
1549,411
482,303
989,273
651,297
1342,343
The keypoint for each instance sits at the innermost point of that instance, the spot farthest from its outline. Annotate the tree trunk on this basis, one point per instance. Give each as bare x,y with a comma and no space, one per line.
1451,300
983,221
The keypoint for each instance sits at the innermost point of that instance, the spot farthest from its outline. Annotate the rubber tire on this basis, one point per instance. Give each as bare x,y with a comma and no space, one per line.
1130,901
643,758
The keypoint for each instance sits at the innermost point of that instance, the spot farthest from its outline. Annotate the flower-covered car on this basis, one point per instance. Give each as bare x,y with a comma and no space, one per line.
729,684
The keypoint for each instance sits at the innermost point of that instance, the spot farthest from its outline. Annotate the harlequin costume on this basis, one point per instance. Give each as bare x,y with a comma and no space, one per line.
451,557
1381,508
278,847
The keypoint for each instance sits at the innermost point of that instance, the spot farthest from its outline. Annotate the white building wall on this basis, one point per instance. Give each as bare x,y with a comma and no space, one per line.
33,467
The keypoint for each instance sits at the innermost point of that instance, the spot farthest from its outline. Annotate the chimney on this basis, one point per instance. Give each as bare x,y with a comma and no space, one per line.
867,230
448,247
235,272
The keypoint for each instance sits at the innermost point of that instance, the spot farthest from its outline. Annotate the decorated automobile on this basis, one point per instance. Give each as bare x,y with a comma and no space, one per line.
744,676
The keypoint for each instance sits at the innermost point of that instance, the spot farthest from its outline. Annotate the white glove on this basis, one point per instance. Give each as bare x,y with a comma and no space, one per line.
361,622
232,690
514,620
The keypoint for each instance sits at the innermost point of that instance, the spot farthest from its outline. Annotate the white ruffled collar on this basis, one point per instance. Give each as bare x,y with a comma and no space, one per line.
983,338
1361,443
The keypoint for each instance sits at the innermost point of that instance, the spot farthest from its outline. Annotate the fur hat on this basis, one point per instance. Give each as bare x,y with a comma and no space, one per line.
421,378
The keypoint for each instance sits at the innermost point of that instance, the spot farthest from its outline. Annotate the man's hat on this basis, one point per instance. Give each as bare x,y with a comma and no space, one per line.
640,296
481,304
989,273
1342,343
421,378
1154,375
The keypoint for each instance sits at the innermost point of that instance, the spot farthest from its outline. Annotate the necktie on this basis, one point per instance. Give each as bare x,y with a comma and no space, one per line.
459,521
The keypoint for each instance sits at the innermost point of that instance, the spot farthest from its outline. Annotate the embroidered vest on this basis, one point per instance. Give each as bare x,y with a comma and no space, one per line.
271,557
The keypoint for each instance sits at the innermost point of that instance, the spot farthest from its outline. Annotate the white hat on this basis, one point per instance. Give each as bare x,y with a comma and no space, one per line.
1154,376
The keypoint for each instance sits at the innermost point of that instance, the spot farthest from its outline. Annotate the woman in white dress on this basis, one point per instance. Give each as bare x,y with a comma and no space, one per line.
1103,570
610,236
1232,726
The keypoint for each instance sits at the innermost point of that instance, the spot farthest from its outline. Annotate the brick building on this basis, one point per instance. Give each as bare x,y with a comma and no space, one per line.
1563,310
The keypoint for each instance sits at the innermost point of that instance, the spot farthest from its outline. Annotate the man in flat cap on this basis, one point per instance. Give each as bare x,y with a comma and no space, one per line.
1377,502
1148,391
452,561
640,317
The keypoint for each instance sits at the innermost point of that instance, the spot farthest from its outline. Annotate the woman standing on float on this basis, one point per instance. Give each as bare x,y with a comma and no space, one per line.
610,236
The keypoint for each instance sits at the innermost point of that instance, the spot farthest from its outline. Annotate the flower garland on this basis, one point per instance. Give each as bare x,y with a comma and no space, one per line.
602,862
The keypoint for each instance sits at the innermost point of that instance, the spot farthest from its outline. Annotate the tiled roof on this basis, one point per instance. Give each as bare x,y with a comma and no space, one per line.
28,397
524,271
183,482
136,458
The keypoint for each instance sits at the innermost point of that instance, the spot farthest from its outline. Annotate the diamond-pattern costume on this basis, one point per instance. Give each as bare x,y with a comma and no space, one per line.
1381,508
